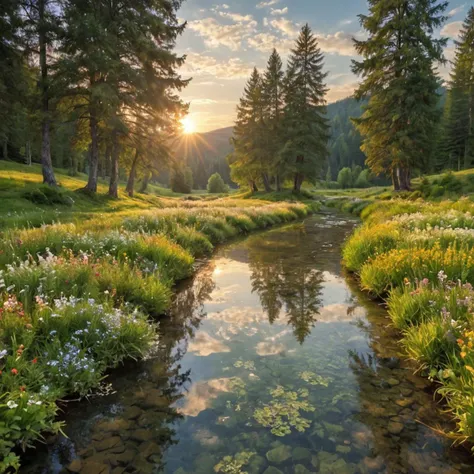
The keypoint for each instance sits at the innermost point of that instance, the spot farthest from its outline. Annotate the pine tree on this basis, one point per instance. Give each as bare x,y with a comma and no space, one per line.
398,75
120,75
459,132
307,130
41,28
273,106
246,162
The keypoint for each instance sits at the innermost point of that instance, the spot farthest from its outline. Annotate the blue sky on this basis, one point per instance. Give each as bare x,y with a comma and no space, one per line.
224,41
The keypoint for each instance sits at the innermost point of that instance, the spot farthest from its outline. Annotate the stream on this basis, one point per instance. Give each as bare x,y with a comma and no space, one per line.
270,349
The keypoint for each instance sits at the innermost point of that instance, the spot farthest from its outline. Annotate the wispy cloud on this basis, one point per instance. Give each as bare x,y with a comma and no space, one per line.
279,11
269,3
216,34
198,64
452,29
456,10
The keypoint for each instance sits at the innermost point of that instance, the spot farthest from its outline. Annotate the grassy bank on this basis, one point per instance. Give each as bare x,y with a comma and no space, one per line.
419,256
79,297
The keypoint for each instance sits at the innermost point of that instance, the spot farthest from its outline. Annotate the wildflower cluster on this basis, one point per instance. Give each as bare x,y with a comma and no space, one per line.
421,255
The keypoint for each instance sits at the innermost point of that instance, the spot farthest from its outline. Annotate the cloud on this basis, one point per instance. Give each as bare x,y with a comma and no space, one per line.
456,10
200,65
338,43
451,29
340,91
268,4
265,42
216,34
285,26
204,345
349,21
279,11
237,17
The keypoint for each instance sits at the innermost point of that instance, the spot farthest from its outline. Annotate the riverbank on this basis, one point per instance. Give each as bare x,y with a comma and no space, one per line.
418,256
77,299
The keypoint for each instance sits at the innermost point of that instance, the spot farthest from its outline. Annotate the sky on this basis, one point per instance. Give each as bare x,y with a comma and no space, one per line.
225,41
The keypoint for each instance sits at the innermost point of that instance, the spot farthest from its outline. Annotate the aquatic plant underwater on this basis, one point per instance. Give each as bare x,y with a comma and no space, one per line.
420,257
78,299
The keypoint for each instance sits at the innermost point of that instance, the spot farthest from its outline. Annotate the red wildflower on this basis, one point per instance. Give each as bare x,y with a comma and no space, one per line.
34,361
22,388
14,372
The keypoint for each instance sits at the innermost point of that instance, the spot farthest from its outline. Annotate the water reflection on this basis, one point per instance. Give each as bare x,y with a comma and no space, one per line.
269,350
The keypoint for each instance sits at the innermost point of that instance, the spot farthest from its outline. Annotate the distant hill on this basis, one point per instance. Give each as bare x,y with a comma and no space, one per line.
206,153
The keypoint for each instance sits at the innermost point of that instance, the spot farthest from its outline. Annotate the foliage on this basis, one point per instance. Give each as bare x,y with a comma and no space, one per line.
399,78
216,185
283,411
344,178
178,181
234,464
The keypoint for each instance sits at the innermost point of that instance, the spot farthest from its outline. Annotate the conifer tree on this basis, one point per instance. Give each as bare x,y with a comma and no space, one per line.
41,28
398,75
306,127
246,162
459,132
273,107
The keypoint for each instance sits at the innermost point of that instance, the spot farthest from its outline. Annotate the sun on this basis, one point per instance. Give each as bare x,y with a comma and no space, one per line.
188,125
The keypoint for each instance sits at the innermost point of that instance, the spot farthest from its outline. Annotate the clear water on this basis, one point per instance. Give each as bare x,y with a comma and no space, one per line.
269,327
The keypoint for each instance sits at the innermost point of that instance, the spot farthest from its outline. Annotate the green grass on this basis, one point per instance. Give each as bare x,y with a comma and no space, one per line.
83,280
419,255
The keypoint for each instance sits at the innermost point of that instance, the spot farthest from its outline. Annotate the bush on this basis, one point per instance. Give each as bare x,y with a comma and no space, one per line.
178,182
344,178
216,184
363,180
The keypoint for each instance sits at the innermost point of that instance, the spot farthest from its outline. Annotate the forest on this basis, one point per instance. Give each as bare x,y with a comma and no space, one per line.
400,124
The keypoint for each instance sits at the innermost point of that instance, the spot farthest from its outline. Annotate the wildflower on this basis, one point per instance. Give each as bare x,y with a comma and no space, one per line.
468,367
34,361
460,342
3,353
11,404
14,372
22,388
463,354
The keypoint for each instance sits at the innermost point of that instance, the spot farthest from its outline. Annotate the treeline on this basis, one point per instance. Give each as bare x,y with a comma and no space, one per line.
455,148
282,131
90,85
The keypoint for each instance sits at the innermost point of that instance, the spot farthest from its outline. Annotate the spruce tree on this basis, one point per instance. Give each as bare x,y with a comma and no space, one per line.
306,126
41,29
398,76
273,105
246,162
459,132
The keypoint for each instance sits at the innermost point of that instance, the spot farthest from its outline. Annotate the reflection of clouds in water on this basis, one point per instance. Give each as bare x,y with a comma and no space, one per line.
242,316
225,266
221,295
338,313
279,335
270,348
204,344
201,394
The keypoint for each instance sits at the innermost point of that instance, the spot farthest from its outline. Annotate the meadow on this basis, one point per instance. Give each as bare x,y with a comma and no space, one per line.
83,282
418,255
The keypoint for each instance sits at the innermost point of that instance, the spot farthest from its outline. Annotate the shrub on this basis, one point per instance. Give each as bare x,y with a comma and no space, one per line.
344,178
368,242
363,180
216,184
178,181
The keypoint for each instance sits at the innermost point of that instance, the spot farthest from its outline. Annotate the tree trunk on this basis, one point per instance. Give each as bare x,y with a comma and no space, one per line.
396,179
278,182
133,173
91,185
46,163
467,145
5,149
253,186
108,151
114,174
28,153
146,180
297,182
266,182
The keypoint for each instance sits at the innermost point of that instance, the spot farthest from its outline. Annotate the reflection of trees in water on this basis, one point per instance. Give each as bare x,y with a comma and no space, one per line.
281,284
